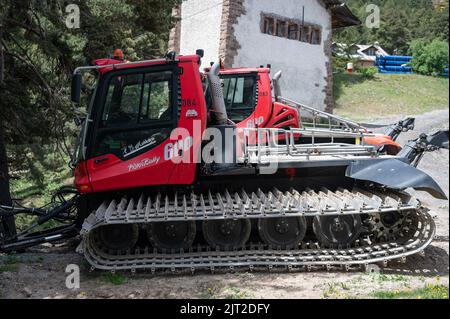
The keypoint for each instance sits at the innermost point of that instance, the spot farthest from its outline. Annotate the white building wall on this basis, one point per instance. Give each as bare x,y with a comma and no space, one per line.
200,28
303,65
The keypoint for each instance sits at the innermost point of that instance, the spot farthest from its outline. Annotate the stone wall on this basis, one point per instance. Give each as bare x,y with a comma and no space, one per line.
306,67
329,97
231,30
175,33
229,46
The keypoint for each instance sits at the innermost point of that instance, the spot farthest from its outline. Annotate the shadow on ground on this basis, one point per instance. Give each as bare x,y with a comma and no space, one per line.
434,263
343,79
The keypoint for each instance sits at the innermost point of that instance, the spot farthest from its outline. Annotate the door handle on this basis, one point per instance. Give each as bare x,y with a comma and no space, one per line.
101,160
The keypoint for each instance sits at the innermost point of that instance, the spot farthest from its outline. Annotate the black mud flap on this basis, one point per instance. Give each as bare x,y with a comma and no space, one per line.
394,174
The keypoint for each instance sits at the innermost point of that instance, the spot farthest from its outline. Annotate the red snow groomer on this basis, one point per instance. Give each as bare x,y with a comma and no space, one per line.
176,169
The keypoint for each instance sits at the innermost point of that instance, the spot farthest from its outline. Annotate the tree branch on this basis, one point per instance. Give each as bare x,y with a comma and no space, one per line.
22,25
35,70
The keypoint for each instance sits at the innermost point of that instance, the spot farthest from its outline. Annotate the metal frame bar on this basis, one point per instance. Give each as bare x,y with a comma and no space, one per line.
267,143
352,125
115,66
58,210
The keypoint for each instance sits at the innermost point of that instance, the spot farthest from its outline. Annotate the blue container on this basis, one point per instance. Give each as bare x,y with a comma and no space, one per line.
396,63
397,58
393,64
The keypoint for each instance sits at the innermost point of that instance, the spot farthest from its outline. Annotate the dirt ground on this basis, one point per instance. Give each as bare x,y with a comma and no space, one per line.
40,273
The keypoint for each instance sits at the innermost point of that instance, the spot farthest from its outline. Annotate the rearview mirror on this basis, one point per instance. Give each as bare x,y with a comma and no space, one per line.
78,121
76,88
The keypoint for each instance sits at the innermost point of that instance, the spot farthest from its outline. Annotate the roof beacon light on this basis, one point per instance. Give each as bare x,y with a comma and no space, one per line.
118,54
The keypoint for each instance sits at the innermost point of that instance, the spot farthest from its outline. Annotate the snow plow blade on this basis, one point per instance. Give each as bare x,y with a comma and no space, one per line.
395,174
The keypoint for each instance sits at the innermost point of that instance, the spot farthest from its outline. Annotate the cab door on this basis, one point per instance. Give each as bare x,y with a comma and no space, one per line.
136,113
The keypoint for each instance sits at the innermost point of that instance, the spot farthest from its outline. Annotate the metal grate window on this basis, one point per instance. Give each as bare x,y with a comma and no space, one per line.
291,29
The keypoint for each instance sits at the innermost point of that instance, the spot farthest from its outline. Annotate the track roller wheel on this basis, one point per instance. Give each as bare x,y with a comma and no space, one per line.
117,237
337,231
284,233
395,226
171,236
227,234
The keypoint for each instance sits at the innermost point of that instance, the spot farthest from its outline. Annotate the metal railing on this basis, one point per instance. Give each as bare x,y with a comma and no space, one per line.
263,142
315,119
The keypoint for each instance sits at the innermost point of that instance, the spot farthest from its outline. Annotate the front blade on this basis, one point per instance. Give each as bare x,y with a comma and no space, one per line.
394,174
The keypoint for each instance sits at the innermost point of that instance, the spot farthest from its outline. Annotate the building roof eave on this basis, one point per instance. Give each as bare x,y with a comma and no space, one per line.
341,15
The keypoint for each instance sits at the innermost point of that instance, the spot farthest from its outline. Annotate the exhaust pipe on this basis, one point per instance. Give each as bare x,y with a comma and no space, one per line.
276,85
218,111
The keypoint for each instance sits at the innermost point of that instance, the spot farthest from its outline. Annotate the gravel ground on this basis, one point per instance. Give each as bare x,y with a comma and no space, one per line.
40,273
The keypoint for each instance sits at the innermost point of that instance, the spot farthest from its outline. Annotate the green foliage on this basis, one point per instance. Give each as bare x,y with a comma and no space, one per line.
115,279
236,293
28,192
430,291
9,263
40,52
429,58
340,66
368,72
402,21
209,293
340,63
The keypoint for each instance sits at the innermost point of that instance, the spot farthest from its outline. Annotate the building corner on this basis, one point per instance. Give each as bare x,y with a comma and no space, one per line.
328,90
175,32
229,45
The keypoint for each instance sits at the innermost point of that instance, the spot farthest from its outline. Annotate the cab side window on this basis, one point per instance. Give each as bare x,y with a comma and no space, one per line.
240,96
156,97
123,100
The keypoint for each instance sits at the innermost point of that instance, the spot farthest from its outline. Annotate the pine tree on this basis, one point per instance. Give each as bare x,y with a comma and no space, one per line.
402,21
38,53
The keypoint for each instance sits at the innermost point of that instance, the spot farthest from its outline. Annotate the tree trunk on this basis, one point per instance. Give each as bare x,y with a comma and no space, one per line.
8,223
2,62
2,57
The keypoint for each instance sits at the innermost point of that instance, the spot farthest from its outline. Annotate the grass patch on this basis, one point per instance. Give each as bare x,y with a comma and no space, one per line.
330,291
27,192
363,98
236,293
336,290
115,279
209,293
8,264
390,278
430,291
